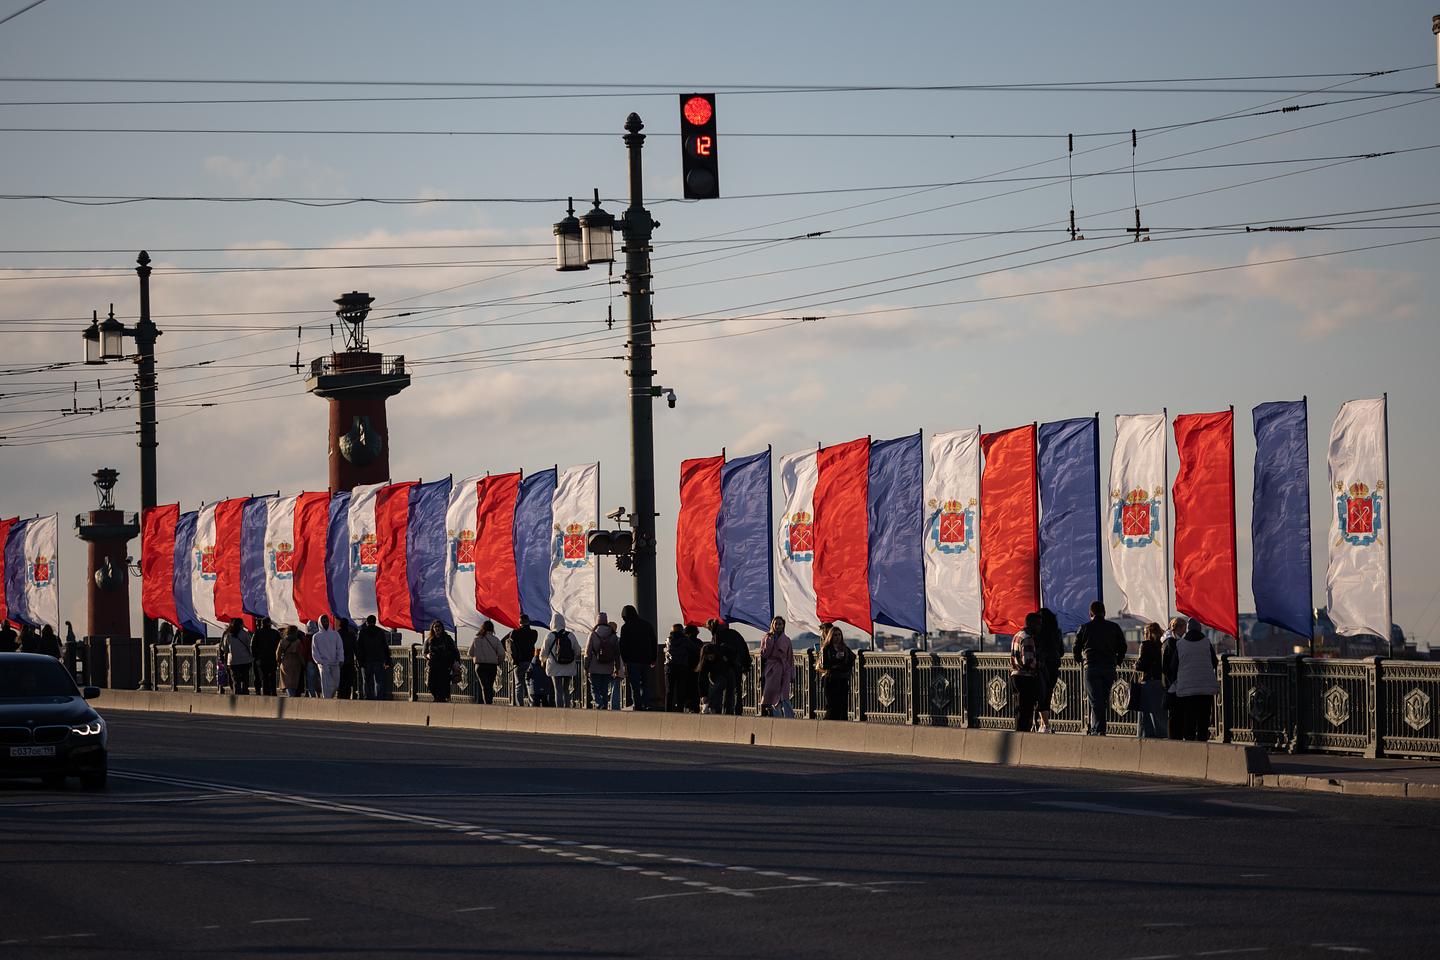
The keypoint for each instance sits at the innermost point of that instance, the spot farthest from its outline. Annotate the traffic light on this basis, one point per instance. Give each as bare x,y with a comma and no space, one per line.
699,146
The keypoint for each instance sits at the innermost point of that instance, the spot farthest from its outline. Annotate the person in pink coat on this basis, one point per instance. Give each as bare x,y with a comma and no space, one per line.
777,664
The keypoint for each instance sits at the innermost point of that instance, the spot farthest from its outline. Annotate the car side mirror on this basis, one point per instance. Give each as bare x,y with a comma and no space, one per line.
90,693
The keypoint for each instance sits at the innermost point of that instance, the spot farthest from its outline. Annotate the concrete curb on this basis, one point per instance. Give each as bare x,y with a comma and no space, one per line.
1214,762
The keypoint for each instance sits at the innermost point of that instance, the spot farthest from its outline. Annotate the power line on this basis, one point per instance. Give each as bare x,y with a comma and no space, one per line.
28,6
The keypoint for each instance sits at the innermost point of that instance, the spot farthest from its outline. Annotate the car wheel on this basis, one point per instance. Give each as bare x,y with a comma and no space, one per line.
94,779
54,781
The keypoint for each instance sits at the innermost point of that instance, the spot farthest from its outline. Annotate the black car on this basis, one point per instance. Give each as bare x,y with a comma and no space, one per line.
47,730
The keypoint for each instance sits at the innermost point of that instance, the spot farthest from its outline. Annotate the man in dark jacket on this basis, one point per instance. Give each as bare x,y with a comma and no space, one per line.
1100,646
9,639
263,645
372,649
737,658
639,649
521,643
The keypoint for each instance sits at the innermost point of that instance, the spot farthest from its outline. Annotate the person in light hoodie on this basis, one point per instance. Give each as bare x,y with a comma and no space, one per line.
561,655
328,649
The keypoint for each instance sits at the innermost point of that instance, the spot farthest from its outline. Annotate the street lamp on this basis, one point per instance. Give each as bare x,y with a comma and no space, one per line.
569,252
105,340
597,230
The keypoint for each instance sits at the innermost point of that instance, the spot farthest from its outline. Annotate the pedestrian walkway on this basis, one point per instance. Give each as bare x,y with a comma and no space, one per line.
1361,776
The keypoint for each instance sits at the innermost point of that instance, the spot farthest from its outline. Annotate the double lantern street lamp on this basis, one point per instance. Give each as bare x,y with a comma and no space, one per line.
586,240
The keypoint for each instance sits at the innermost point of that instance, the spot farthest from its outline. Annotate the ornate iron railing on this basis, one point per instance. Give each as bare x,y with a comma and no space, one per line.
1372,707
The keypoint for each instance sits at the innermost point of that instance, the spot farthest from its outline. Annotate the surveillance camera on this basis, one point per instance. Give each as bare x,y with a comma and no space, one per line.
670,398
615,514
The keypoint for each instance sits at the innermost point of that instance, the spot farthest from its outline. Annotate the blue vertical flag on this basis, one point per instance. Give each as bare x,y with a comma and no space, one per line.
253,518
425,544
743,532
895,503
184,559
534,536
337,554
1280,518
1069,471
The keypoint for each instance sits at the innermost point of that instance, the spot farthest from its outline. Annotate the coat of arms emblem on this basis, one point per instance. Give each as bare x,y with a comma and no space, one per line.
1357,508
282,561
570,546
798,537
40,571
462,550
952,526
365,553
208,562
1136,517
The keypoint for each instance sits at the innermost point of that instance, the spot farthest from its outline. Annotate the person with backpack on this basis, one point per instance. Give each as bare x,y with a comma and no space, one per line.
640,650
561,655
235,651
486,652
682,653
603,661
1025,672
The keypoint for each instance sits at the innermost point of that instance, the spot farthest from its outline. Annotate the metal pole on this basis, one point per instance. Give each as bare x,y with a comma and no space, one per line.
637,229
145,335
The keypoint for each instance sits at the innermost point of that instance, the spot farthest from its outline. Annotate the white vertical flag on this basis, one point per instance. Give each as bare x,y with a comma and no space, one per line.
364,551
952,505
1357,585
42,572
1139,516
280,561
574,570
204,566
460,519
795,540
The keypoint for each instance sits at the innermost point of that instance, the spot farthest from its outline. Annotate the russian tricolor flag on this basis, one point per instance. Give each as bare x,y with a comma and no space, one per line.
410,563
850,540
722,542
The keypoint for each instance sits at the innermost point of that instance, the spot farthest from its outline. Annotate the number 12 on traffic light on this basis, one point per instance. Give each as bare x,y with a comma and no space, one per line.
698,146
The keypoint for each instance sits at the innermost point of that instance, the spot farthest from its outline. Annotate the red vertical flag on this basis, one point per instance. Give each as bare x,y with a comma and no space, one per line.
4,533
497,584
842,534
228,602
1204,498
392,581
157,562
312,517
697,550
1009,529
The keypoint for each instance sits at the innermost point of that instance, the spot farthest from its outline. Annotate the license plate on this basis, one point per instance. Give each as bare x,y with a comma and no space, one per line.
32,751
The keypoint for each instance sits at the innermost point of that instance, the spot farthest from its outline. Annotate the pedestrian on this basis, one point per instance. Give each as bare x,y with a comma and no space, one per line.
328,651
1025,672
442,662
777,666
521,643
346,629
542,689
715,673
486,652
1100,646
1172,636
603,660
291,654
372,649
50,643
682,653
235,650
312,669
837,663
1150,714
1050,646
561,655
264,644
737,658
29,641
9,639
1190,670
69,634
639,649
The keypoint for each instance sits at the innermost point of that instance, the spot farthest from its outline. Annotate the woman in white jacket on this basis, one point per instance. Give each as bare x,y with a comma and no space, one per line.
561,656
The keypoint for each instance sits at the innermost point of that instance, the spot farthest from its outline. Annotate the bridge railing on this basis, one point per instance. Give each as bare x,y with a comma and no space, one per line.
1370,707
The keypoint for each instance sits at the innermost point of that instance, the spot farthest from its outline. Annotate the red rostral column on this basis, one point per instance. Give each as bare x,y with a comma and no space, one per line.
357,383
108,532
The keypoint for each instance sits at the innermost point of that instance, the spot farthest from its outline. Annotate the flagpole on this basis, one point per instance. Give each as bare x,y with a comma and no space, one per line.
980,626
1234,548
1390,515
1165,459
1099,522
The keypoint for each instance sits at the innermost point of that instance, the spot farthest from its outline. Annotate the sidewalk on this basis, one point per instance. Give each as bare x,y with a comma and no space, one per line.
1356,776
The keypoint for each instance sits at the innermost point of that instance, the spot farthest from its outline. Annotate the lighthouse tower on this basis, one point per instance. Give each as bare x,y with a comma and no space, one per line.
357,383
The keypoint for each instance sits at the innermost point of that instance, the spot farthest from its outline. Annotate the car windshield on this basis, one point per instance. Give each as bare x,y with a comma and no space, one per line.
24,678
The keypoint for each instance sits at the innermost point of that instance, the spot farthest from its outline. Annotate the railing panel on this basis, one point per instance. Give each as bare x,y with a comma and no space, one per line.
1259,701
1337,711
939,689
883,694
1410,714
1067,701
401,674
1120,722
162,666
992,695
207,673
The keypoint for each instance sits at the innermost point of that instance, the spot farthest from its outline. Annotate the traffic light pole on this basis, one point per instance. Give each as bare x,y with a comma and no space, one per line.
636,229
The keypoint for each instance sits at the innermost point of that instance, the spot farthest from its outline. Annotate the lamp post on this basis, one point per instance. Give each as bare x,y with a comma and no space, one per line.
588,240
105,341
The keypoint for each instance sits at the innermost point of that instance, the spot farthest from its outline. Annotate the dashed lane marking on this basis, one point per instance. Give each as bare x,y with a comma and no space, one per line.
209,863
280,920
1110,808
1242,805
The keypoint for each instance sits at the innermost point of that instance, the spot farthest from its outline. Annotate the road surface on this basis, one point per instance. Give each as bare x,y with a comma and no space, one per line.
227,837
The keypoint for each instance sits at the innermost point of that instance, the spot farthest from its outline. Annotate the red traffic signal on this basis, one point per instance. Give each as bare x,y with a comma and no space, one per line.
699,146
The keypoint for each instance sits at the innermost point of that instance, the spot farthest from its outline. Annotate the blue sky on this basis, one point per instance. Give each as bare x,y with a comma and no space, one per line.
1332,328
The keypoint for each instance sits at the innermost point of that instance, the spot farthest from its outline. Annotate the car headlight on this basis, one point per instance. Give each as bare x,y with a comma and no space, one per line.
91,728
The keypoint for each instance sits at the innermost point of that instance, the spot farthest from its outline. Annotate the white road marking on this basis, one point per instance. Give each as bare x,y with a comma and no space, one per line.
281,920
1227,953
1253,876
1262,807
1109,808
209,863
473,909
67,936
1340,948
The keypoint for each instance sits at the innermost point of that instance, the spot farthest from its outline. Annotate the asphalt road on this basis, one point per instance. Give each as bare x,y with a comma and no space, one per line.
238,838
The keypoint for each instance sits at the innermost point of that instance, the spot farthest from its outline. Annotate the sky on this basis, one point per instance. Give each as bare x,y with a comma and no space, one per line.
929,286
